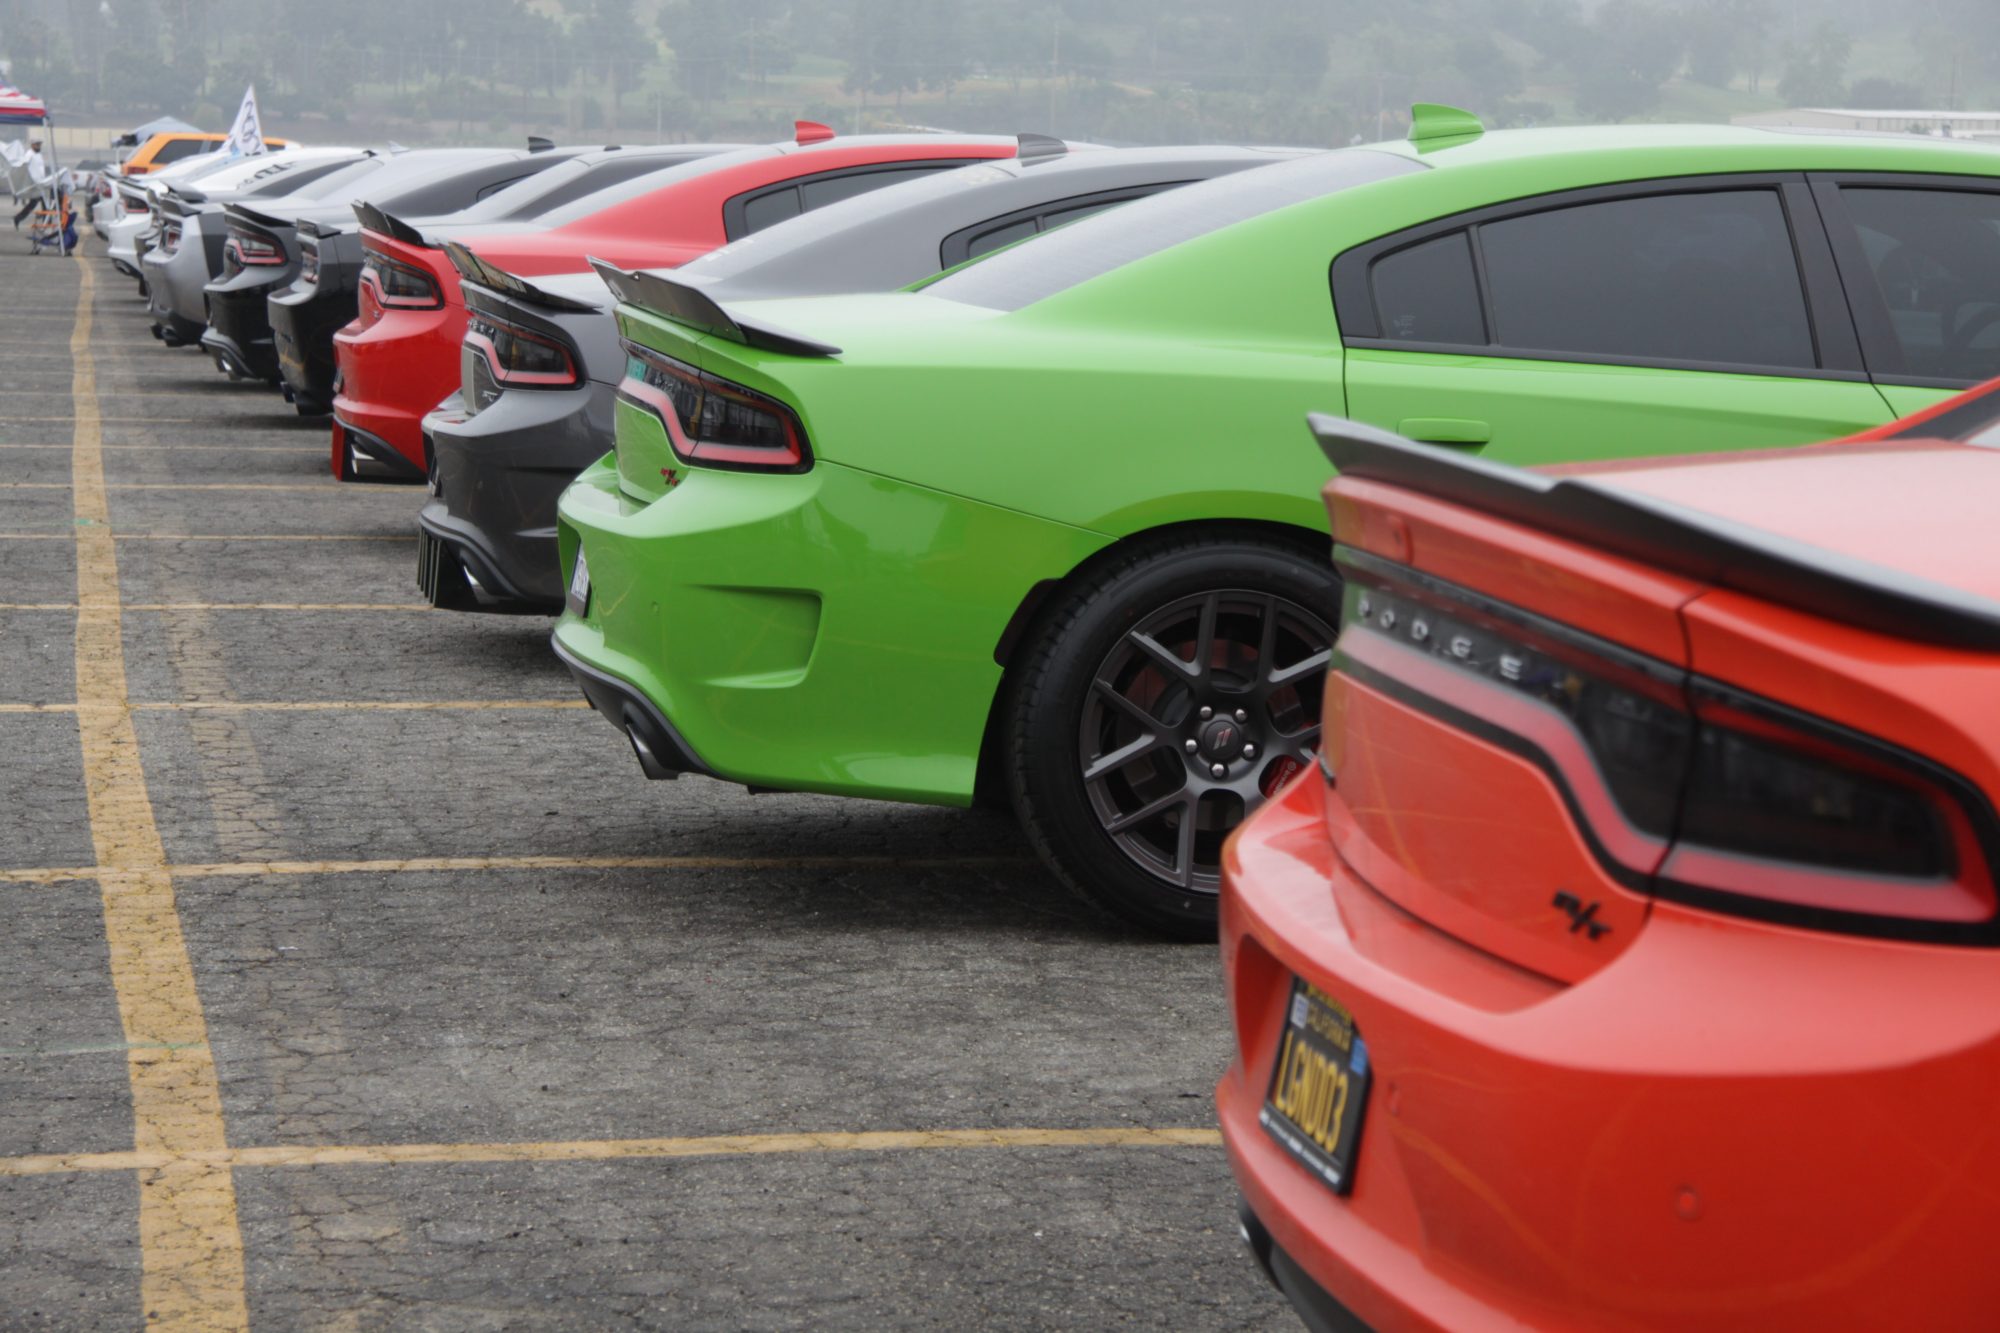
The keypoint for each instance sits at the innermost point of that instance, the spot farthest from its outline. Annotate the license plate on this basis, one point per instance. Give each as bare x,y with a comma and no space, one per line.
1319,1088
579,585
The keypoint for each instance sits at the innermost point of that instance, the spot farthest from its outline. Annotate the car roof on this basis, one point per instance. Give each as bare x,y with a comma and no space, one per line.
891,237
531,198
1440,178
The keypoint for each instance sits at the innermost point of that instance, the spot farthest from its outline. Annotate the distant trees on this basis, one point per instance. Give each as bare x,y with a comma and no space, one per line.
1816,69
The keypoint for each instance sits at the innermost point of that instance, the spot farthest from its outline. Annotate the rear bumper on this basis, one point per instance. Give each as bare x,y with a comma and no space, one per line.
810,631
655,743
1653,1147
304,320
360,456
174,286
497,476
1314,1304
239,329
395,371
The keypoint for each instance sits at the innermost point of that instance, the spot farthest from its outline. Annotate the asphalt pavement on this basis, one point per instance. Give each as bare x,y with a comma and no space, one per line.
352,977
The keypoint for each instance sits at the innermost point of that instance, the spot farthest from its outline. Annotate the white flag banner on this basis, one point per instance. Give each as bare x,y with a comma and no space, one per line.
246,136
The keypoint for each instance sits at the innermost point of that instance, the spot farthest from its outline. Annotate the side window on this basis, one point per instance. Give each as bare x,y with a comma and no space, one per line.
833,189
1702,277
987,242
1429,293
1935,258
768,210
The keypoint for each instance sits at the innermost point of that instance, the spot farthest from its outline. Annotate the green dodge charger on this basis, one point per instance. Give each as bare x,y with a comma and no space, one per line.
1047,528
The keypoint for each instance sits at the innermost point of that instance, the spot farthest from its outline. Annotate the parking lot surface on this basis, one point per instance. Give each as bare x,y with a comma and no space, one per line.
352,977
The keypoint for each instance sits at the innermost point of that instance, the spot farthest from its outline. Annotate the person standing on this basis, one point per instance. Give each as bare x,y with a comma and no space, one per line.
38,175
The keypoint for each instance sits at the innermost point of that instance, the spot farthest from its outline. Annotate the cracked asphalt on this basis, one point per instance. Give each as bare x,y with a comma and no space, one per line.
466,920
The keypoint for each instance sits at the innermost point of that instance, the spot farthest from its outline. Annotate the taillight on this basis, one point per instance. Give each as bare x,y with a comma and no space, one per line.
308,260
253,249
518,358
399,285
135,204
711,420
1685,787
170,238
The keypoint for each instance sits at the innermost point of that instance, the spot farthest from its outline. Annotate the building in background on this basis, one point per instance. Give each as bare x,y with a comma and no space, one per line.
1980,125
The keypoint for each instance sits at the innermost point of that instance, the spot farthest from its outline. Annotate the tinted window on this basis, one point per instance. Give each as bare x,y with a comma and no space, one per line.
1935,255
987,242
176,149
1428,293
820,193
1064,216
1682,277
1096,246
768,210
588,179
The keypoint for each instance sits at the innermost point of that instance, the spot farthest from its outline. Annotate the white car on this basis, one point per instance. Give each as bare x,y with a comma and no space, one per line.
133,210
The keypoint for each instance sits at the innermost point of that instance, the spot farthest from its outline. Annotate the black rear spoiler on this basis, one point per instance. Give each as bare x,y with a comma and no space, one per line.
1684,541
374,219
182,205
248,214
693,307
316,228
477,271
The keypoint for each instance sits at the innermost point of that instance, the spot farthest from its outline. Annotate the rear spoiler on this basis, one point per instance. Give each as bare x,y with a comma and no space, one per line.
255,218
182,205
685,304
1668,536
476,270
374,219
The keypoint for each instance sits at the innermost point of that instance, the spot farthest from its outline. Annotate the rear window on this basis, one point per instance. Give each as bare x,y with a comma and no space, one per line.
1095,246
175,149
661,177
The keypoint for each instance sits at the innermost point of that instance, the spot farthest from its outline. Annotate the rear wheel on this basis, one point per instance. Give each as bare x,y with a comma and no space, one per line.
1166,697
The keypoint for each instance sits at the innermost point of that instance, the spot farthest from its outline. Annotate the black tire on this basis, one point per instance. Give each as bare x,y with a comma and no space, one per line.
1100,717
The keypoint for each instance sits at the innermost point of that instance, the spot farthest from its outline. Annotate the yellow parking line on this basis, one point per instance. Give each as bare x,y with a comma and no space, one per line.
611,1150
329,485
162,607
314,706
116,421
467,864
217,537
190,1247
182,448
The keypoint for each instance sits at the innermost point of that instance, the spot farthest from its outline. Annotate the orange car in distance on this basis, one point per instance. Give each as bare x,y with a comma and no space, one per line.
1633,962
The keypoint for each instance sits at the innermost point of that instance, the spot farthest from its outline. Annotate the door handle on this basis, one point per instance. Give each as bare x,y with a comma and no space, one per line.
1453,431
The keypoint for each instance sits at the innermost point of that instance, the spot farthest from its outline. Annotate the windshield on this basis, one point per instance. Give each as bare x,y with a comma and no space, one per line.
1094,246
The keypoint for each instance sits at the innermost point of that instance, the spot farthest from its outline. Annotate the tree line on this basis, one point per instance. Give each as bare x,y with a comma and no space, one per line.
1299,71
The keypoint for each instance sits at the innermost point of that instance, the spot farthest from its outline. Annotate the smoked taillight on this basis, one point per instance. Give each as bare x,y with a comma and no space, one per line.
251,248
308,260
170,238
711,420
396,284
1685,787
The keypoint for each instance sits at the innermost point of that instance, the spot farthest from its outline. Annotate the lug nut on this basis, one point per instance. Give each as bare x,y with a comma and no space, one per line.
1207,713
1249,752
1242,716
1192,746
1218,770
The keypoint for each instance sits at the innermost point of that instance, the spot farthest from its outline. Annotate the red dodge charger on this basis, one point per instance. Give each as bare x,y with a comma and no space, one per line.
1633,960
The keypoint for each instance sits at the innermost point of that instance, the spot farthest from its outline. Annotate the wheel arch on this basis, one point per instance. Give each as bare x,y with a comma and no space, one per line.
988,786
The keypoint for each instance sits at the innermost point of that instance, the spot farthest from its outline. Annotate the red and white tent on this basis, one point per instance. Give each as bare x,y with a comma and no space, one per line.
17,108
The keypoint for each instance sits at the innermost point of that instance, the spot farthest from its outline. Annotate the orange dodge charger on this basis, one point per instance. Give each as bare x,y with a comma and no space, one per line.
1633,961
